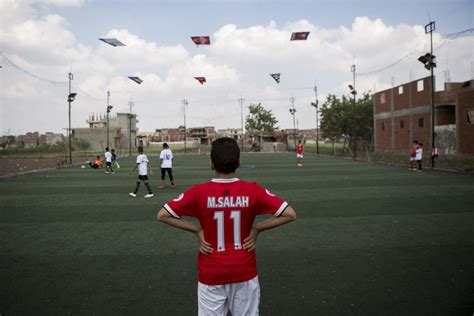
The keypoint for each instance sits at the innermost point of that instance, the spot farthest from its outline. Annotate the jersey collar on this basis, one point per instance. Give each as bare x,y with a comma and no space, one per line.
225,180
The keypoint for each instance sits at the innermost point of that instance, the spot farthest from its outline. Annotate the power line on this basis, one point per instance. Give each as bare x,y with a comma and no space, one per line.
444,42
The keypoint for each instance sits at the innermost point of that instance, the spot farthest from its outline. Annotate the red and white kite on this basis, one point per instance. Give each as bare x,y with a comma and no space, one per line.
201,40
200,79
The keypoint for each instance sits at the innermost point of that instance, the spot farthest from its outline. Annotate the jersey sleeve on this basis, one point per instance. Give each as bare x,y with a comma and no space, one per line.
269,203
183,205
162,156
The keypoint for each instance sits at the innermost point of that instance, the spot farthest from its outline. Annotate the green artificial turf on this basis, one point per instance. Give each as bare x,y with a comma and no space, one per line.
369,239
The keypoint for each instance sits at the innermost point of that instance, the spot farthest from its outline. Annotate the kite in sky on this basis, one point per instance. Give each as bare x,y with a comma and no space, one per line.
112,41
276,77
200,79
299,36
136,79
201,40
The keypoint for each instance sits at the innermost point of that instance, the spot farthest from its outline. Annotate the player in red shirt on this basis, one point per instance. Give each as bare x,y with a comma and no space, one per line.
299,154
226,208
413,155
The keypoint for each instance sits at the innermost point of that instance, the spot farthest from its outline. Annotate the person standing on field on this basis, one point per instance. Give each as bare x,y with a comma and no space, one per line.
166,163
108,161
226,208
144,168
299,153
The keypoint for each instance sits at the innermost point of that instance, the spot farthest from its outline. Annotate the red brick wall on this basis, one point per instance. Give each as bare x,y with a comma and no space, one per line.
420,98
401,101
402,134
464,129
383,137
379,106
421,134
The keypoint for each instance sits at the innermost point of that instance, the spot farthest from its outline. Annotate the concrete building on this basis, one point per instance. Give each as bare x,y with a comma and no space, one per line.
201,135
122,131
235,133
403,114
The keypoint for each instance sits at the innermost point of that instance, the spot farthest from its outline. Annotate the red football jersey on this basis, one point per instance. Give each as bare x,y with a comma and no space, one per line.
226,210
299,149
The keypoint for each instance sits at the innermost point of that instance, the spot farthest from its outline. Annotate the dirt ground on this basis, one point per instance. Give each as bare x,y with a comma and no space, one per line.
10,166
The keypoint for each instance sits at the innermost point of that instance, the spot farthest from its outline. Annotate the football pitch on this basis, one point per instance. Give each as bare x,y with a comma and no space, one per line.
369,239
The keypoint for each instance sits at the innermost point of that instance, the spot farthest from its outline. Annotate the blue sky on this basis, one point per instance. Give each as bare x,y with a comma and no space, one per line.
250,39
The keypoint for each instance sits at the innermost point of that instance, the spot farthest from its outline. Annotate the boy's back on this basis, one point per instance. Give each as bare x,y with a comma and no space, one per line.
226,210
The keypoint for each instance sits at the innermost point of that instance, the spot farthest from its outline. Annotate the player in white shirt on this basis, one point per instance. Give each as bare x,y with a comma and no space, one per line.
144,167
166,163
419,155
108,161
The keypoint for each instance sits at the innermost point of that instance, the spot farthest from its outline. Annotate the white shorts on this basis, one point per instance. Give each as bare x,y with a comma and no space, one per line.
240,298
299,155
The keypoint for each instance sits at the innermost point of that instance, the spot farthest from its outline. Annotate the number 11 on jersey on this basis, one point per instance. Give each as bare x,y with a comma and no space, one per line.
235,217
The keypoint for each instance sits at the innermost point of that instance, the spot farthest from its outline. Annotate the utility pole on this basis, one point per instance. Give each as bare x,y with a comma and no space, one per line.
130,116
185,104
293,111
241,101
108,111
354,92
315,104
71,77
429,28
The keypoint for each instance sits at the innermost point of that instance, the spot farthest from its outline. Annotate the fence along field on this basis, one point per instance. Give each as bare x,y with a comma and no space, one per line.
368,239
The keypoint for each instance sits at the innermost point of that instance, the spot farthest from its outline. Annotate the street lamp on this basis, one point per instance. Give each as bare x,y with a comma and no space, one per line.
109,107
315,104
70,99
293,111
354,92
428,60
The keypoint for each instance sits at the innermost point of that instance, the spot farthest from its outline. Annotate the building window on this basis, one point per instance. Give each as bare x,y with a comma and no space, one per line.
421,122
402,124
400,90
382,98
420,85
383,126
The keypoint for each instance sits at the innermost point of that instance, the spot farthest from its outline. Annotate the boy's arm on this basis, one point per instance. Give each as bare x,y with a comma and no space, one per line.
287,216
165,217
133,169
149,169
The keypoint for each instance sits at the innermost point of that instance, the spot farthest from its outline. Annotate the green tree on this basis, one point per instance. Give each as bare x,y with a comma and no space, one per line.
339,118
260,119
82,144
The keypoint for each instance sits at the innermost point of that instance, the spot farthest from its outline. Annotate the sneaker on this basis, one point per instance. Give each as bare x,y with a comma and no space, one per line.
113,172
161,187
149,195
173,186
87,162
106,172
132,194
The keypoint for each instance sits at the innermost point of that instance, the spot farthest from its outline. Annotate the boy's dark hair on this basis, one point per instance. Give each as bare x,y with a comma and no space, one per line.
98,157
225,155
106,148
112,150
421,144
165,145
140,149
415,142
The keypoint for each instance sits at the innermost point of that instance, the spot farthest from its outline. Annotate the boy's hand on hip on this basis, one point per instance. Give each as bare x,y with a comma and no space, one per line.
251,241
204,247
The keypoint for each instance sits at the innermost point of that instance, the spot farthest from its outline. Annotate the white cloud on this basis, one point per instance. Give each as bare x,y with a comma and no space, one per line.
237,64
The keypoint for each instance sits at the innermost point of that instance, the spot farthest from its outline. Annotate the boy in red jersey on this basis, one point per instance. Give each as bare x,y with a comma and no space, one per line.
299,154
226,208
413,156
